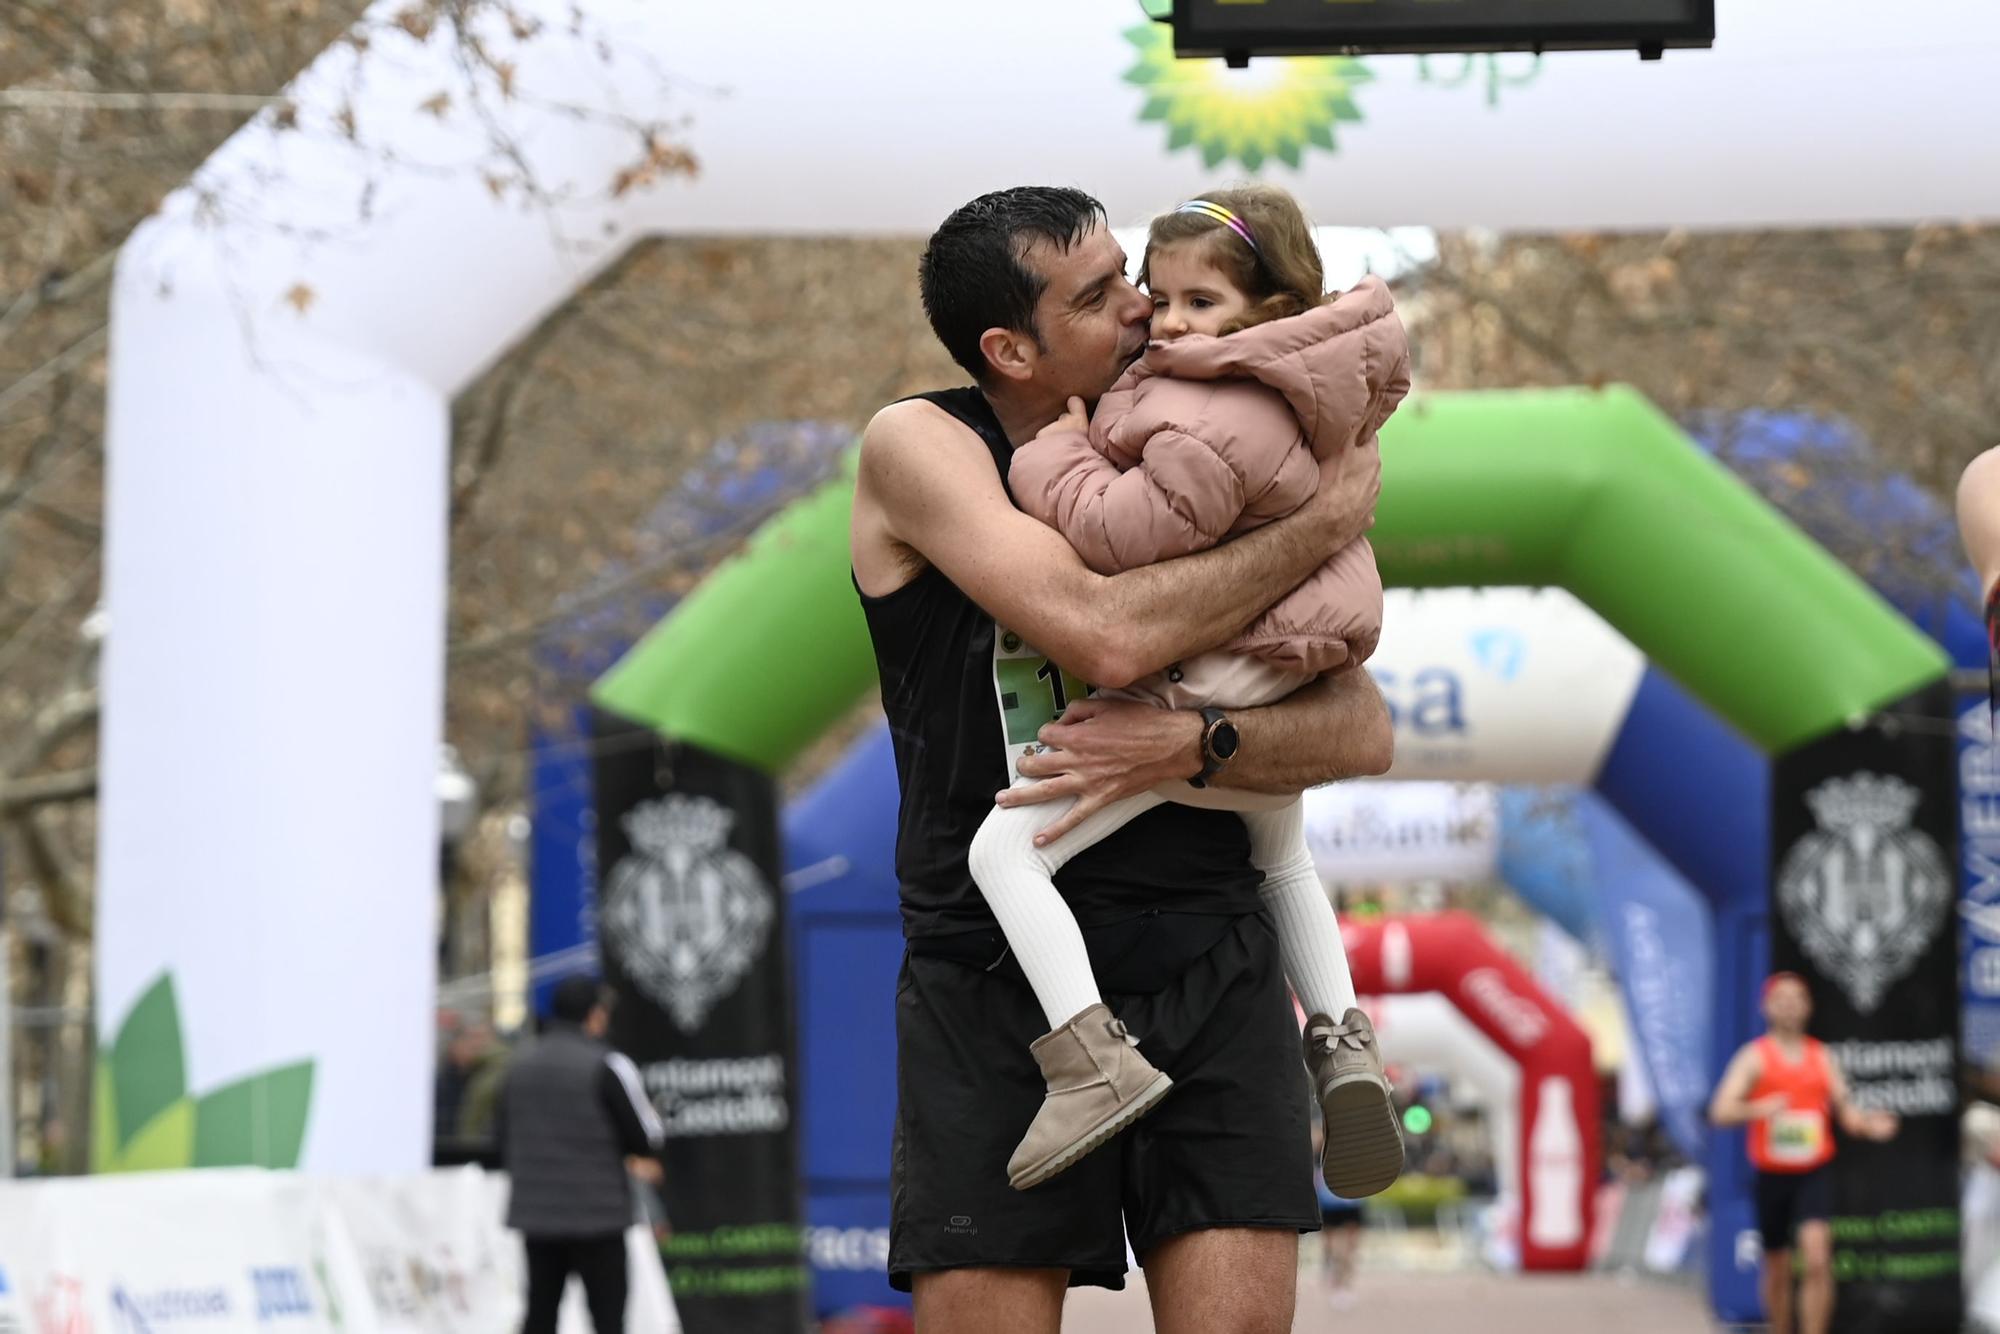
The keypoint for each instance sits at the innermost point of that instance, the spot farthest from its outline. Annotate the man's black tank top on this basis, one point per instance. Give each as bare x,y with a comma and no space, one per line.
954,706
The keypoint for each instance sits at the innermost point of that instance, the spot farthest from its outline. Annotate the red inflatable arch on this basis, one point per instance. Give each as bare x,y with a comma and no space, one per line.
1561,1154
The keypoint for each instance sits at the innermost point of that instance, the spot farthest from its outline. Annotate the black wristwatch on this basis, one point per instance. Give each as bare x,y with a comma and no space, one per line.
1219,742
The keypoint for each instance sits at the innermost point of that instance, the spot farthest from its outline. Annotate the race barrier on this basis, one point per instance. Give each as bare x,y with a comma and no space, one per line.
223,1250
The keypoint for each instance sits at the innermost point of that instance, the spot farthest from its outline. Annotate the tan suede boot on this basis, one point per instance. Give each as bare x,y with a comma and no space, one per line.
1364,1146
1098,1085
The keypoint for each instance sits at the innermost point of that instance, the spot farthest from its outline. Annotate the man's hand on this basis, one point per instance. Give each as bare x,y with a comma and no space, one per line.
1074,419
1349,485
1768,1106
646,1170
1104,750
1874,1124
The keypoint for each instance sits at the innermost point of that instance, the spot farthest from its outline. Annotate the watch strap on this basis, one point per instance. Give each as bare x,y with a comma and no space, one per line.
1210,765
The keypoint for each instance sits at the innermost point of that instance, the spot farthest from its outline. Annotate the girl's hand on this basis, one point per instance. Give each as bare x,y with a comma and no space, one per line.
1074,419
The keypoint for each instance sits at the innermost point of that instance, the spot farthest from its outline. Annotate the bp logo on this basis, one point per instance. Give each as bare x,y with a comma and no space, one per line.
685,913
1865,893
1278,109
145,1118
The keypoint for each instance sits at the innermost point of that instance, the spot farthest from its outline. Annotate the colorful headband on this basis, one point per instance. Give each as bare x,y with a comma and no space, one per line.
1208,208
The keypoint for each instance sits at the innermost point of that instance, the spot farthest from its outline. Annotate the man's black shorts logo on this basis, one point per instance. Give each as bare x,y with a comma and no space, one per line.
961,1226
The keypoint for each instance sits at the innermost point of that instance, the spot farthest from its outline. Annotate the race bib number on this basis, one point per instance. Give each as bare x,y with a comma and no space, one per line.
1032,690
1797,1137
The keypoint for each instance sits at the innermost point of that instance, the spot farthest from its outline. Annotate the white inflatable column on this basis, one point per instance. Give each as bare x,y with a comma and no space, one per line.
273,680
287,335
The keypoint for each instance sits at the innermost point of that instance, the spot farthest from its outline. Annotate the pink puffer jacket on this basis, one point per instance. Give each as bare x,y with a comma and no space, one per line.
1203,438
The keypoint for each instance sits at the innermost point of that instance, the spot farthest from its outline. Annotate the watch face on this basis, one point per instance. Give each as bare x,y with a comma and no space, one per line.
1223,740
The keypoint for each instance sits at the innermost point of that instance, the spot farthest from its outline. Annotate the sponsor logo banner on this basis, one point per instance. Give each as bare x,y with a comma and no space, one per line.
1511,685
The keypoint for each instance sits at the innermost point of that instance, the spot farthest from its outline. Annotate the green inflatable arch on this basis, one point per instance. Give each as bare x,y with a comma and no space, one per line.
1593,490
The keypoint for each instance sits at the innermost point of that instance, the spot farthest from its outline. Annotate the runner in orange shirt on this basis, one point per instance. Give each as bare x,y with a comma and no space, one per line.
1788,1091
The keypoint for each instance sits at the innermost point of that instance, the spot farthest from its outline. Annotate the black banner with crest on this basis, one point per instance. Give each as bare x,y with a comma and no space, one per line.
691,921
1864,895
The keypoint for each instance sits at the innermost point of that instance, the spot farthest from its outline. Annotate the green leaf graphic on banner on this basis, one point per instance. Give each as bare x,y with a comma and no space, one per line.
147,1073
327,1293
255,1122
1286,107
103,1119
164,1144
144,1118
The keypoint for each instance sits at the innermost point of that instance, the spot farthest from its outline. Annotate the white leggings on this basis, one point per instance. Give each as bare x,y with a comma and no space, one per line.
1018,880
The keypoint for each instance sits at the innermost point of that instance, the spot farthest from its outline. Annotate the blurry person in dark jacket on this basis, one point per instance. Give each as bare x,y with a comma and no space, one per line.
574,1126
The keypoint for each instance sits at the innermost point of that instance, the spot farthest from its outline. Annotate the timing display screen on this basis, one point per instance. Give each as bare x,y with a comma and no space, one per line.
1279,27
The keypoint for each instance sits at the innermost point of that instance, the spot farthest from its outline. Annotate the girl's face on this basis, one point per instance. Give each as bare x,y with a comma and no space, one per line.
1190,295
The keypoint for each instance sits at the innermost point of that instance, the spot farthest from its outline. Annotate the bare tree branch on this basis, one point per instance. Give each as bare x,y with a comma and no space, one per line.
472,465
66,889
64,717
19,795
78,352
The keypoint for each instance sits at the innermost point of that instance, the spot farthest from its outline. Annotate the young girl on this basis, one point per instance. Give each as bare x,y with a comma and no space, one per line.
1255,384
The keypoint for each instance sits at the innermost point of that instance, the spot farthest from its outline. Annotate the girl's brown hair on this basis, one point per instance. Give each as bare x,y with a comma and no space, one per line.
1281,275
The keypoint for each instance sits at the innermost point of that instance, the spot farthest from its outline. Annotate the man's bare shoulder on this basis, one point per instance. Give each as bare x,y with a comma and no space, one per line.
911,424
919,464
914,461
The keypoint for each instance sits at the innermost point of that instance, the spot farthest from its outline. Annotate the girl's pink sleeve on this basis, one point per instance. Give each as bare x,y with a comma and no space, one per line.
1182,497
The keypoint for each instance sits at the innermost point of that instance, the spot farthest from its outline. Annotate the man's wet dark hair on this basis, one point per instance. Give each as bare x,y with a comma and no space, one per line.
573,998
973,273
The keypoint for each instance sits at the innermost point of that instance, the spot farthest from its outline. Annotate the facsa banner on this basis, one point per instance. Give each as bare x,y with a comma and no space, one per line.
1510,685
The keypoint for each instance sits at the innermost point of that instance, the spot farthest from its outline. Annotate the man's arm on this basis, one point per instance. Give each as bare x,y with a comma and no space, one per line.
1731,1105
1860,1122
639,1129
1979,516
1335,728
927,486
1103,750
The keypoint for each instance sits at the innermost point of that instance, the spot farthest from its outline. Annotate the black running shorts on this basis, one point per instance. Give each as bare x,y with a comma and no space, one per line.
1787,1199
1229,1146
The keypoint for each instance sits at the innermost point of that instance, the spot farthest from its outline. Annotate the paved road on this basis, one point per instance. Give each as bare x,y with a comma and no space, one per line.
1458,1303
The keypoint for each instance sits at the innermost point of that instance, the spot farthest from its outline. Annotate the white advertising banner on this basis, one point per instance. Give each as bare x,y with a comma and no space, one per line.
218,1252
430,1251
1382,831
1511,685
213,1254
